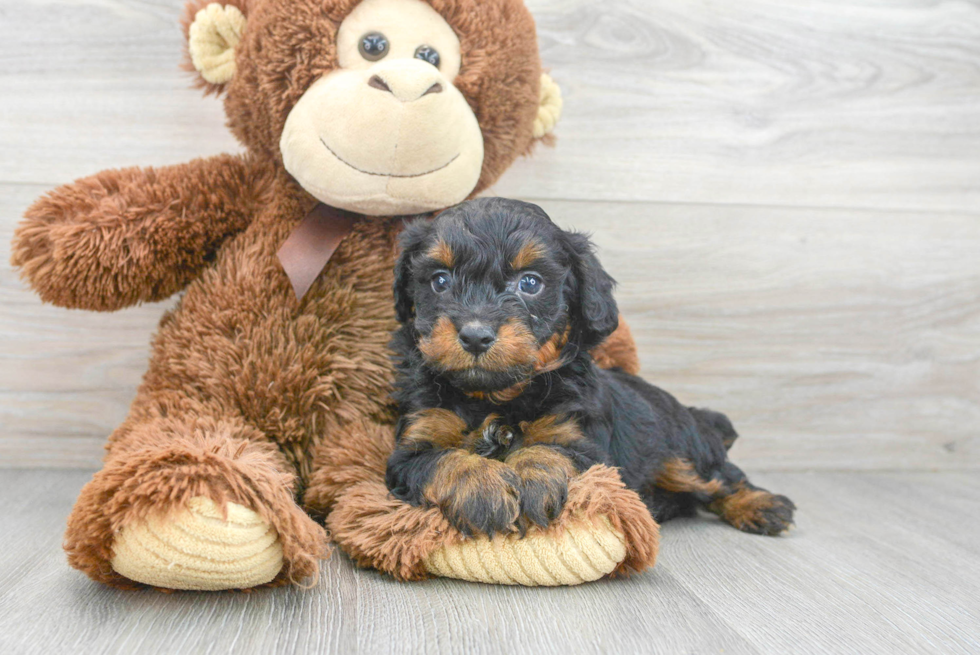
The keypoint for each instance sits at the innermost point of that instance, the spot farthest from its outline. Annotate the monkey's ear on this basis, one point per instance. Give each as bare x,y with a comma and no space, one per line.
213,31
413,239
549,107
594,312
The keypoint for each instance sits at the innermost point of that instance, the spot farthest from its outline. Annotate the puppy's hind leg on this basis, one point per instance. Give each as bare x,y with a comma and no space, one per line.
712,422
750,508
729,494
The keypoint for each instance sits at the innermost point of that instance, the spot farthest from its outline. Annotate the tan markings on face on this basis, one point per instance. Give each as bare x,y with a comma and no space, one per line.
744,508
548,359
679,476
515,347
442,347
529,253
442,253
440,427
549,355
551,429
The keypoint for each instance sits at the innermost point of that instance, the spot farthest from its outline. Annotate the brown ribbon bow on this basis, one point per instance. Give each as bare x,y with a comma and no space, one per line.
309,247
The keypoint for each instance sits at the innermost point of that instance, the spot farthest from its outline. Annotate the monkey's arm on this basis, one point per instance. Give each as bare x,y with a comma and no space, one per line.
133,235
618,350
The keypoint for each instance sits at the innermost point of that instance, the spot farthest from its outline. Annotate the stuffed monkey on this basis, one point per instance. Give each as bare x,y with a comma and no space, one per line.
265,405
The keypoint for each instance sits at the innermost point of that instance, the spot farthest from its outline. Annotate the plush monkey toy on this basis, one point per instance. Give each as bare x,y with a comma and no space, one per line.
266,404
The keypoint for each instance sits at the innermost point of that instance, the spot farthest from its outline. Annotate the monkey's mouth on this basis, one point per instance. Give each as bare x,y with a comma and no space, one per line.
361,170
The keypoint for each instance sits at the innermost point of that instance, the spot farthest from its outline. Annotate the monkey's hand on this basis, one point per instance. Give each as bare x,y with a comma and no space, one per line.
133,235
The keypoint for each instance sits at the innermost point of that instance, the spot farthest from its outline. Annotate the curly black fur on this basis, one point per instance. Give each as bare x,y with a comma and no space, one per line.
674,456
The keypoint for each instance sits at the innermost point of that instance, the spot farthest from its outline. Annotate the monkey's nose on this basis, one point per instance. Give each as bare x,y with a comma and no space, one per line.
476,338
379,83
406,88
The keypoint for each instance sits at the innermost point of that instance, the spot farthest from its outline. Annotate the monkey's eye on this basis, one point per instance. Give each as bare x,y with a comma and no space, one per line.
441,281
427,53
530,284
373,46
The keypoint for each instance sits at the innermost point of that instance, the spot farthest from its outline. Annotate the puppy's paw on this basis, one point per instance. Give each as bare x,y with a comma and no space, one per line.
544,474
475,494
542,499
756,511
492,439
776,518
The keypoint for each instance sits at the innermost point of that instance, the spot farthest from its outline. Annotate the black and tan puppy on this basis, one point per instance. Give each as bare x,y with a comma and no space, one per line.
501,402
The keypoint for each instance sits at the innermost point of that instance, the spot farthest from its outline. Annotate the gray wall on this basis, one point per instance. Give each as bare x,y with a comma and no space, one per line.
788,193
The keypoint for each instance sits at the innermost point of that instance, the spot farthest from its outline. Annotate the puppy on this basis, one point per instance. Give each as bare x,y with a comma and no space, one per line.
501,403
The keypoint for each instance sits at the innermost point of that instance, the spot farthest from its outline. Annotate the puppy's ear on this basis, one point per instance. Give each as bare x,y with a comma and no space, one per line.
594,314
413,240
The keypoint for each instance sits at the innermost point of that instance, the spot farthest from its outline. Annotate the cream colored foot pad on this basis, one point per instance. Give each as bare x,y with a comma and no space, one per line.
198,549
582,553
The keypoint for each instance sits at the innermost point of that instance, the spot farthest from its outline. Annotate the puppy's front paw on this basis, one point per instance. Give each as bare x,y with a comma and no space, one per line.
475,494
492,439
544,474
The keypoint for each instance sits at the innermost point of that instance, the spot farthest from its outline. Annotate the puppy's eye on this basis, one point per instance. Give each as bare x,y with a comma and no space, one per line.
530,284
441,281
427,53
373,46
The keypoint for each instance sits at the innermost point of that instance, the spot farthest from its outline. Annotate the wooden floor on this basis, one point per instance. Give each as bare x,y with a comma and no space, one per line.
878,563
789,195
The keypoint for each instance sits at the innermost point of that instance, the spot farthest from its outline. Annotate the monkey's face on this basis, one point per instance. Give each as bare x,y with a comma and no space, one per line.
382,107
387,132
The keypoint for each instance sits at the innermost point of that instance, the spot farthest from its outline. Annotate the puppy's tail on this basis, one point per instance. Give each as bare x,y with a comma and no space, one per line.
711,422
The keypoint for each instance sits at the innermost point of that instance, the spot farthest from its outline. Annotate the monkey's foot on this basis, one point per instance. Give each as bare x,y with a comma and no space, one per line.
199,548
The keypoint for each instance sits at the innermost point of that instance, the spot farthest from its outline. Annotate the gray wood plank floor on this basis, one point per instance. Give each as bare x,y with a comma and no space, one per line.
878,563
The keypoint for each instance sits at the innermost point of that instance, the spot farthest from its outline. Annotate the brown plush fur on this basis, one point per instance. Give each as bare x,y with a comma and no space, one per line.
251,395
171,462
619,350
122,237
500,73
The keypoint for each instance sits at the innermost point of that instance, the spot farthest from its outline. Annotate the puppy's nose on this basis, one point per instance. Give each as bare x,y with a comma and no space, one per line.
476,338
